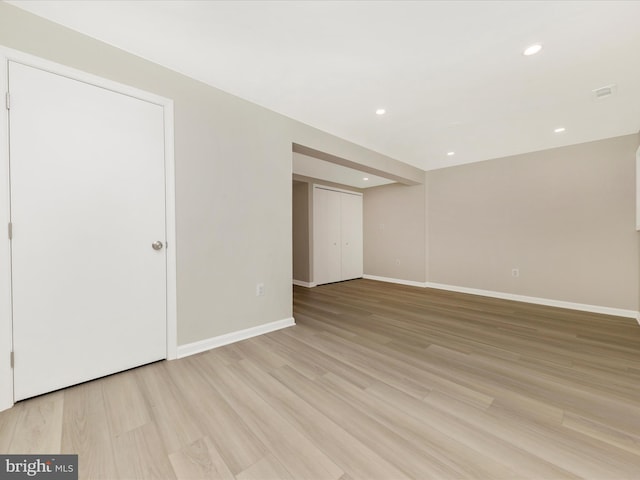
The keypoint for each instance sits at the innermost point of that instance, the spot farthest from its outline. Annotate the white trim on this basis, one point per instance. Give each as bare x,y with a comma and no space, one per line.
6,328
410,283
638,189
9,54
226,339
170,225
618,312
336,189
6,335
300,283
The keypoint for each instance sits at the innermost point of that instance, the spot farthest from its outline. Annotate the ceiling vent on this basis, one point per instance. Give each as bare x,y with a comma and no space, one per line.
604,92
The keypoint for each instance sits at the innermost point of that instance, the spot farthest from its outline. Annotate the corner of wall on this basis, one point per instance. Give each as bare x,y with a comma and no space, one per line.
427,253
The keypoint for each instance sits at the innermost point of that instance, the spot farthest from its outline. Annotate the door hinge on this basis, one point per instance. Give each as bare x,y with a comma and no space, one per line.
8,100
10,231
12,360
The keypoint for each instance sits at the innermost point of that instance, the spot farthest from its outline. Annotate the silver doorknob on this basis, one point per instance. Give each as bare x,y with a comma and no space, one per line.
157,245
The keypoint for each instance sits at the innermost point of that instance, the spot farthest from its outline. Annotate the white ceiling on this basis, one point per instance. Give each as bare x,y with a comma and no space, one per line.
314,168
450,74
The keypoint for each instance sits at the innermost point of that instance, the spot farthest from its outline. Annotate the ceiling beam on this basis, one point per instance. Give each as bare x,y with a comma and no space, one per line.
416,176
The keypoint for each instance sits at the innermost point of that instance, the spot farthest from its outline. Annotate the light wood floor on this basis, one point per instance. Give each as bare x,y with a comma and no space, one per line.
377,381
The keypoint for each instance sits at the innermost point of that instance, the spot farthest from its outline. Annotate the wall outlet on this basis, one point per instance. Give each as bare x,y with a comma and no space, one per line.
259,289
515,272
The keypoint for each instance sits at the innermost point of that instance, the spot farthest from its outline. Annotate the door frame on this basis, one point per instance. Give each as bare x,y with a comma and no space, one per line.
638,191
6,320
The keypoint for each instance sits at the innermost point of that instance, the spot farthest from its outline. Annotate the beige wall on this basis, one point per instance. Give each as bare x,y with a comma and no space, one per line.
233,180
564,217
394,232
301,252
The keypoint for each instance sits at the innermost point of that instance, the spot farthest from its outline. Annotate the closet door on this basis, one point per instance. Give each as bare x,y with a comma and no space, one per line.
88,214
351,230
327,266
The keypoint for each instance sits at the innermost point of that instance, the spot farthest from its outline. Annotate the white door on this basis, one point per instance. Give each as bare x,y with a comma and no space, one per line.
351,228
87,203
326,236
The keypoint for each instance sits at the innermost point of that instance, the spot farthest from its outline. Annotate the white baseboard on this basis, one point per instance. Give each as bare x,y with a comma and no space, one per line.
300,283
226,339
410,283
6,405
583,307
617,312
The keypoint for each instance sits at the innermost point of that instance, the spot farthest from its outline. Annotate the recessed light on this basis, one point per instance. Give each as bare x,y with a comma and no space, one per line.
559,130
450,154
366,178
381,111
532,49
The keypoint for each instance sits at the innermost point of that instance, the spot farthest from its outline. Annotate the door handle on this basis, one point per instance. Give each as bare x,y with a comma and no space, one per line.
157,245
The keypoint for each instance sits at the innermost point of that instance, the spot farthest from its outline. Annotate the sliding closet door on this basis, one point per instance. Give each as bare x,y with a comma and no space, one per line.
351,235
337,235
327,266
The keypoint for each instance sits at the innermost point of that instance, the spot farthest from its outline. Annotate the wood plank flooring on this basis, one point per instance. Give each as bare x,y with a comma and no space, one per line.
376,381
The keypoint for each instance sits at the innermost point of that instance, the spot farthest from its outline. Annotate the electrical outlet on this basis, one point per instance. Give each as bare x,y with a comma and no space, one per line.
515,272
259,289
